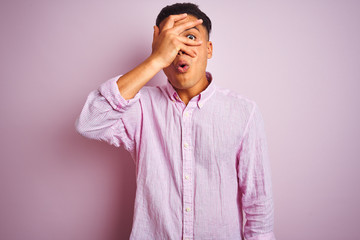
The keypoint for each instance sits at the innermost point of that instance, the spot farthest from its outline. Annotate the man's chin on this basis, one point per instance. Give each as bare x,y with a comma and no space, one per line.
179,80
182,79
181,84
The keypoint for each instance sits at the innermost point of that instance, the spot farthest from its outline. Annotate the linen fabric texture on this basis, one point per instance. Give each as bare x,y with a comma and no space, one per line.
200,167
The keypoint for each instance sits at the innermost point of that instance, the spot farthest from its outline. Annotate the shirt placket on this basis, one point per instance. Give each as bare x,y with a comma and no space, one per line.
187,150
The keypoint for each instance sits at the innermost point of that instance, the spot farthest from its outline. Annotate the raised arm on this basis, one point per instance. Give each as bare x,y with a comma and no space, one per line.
112,113
166,45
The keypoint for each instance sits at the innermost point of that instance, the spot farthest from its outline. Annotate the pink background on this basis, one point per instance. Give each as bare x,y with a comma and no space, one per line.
299,60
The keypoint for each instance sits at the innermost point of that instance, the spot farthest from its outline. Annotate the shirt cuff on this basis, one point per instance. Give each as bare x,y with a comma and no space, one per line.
110,91
266,236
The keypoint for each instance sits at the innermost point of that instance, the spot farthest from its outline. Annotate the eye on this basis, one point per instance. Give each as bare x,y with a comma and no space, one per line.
192,37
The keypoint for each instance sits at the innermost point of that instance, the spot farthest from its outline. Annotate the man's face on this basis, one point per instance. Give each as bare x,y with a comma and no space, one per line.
185,77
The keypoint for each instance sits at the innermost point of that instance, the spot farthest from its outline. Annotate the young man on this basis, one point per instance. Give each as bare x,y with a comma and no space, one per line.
200,151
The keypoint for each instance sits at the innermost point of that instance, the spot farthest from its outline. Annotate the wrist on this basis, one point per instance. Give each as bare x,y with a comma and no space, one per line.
155,63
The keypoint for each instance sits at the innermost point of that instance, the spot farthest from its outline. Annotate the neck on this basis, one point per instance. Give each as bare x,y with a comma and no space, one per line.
187,94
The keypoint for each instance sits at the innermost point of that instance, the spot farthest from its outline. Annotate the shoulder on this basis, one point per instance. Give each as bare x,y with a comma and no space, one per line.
235,99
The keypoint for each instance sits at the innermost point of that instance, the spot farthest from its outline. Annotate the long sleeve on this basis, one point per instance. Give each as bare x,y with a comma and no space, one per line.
107,116
255,180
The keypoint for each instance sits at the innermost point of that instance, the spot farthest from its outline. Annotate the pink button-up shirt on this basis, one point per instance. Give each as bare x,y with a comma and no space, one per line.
198,166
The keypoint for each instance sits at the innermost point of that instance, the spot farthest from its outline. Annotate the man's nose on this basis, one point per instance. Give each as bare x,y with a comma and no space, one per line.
180,52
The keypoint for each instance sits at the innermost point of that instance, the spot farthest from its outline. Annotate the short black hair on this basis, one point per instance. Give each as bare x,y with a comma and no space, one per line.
189,8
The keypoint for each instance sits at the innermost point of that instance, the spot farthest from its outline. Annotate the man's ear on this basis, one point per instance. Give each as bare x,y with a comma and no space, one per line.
209,49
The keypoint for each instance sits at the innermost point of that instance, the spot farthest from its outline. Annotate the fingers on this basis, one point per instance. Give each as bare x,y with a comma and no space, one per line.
186,45
189,42
169,23
188,50
168,42
182,27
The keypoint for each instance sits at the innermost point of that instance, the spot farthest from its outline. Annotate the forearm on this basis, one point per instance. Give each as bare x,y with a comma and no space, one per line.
130,83
259,216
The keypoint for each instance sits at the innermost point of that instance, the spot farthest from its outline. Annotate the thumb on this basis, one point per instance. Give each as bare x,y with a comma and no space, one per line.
156,32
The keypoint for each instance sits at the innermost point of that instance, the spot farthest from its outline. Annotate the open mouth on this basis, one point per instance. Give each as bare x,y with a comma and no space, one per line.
182,66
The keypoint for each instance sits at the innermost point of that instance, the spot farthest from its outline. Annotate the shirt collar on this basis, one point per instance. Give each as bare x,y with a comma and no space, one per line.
201,98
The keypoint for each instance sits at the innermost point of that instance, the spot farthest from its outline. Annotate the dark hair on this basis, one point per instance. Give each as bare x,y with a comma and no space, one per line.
189,8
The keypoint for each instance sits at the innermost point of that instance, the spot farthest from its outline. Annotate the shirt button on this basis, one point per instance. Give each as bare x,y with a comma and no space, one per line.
200,105
187,209
186,145
186,114
187,177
